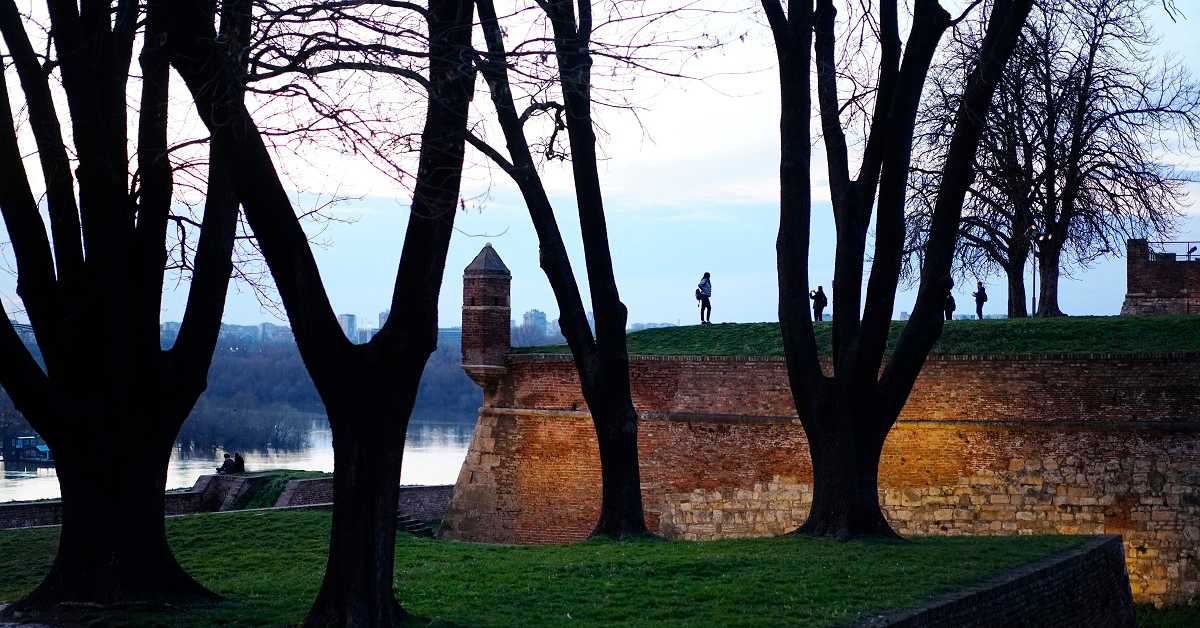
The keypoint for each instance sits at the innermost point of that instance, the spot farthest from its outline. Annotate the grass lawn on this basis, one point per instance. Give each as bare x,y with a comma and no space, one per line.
1109,334
269,564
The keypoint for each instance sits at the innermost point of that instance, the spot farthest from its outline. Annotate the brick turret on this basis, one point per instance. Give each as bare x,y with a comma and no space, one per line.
1163,279
486,320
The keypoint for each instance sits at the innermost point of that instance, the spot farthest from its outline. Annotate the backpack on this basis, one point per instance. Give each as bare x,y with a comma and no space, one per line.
699,294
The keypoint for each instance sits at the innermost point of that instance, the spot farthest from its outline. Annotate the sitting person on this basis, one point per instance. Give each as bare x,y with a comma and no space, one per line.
228,466
239,463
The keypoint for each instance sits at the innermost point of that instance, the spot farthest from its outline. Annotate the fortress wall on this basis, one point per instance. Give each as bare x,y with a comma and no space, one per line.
995,445
1028,388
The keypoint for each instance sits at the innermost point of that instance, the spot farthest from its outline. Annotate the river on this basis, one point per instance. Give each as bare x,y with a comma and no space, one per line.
433,454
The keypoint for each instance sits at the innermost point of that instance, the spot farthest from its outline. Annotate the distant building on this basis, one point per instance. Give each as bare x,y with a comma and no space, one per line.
641,326
29,448
349,324
168,332
238,333
535,322
904,316
269,332
365,335
383,316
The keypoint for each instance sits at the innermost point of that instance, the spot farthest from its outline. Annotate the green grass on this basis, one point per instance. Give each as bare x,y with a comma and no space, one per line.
264,493
1103,334
268,566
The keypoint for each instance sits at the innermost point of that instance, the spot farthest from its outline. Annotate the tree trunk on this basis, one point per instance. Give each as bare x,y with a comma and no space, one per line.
1016,291
621,513
113,547
1048,282
367,453
845,454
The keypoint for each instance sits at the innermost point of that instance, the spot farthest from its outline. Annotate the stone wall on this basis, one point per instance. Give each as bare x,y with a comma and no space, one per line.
425,503
206,495
1159,284
993,445
1083,587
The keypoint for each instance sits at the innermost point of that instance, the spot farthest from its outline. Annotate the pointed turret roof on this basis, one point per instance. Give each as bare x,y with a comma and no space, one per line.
488,262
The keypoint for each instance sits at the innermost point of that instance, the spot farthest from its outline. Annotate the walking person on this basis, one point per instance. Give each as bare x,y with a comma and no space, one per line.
949,307
703,294
819,302
980,298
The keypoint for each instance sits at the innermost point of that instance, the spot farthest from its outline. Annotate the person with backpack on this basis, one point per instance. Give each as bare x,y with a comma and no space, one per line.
819,302
980,298
703,294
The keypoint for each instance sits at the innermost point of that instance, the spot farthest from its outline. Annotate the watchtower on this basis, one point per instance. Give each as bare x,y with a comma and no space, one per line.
1163,278
486,320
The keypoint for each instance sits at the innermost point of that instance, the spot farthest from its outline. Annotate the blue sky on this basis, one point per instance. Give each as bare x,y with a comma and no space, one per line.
691,186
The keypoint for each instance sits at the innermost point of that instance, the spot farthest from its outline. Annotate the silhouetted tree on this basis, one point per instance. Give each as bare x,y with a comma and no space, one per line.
848,415
602,359
1072,159
109,401
368,390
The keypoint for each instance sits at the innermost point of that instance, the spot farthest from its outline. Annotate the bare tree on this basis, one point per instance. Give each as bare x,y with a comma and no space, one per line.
848,415
601,360
1073,158
368,390
93,296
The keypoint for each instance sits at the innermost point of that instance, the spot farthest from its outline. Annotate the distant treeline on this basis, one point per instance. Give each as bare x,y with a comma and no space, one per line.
260,396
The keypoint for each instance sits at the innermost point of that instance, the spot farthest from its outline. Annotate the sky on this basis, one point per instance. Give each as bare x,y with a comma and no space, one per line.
691,186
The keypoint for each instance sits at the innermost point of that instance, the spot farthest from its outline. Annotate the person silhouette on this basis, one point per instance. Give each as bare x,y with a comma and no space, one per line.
704,294
819,302
980,295
949,305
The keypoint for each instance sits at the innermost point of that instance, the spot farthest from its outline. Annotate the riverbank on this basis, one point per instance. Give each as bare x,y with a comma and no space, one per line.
268,566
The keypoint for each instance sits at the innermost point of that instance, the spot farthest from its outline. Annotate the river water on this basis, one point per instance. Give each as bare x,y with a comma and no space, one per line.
433,454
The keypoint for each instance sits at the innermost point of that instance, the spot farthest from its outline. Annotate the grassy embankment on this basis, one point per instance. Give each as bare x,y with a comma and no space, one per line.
264,493
1102,334
268,566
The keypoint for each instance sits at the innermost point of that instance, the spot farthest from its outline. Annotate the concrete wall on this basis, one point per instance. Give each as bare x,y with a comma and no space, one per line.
987,445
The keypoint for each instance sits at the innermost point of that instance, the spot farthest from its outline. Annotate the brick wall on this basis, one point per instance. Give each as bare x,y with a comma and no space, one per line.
1160,286
1081,587
1026,388
986,446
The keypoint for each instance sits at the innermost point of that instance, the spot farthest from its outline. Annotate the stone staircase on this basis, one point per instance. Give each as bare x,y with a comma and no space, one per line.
415,527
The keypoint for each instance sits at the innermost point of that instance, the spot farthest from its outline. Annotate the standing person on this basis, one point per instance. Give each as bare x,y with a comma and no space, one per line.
980,299
819,302
703,294
950,305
